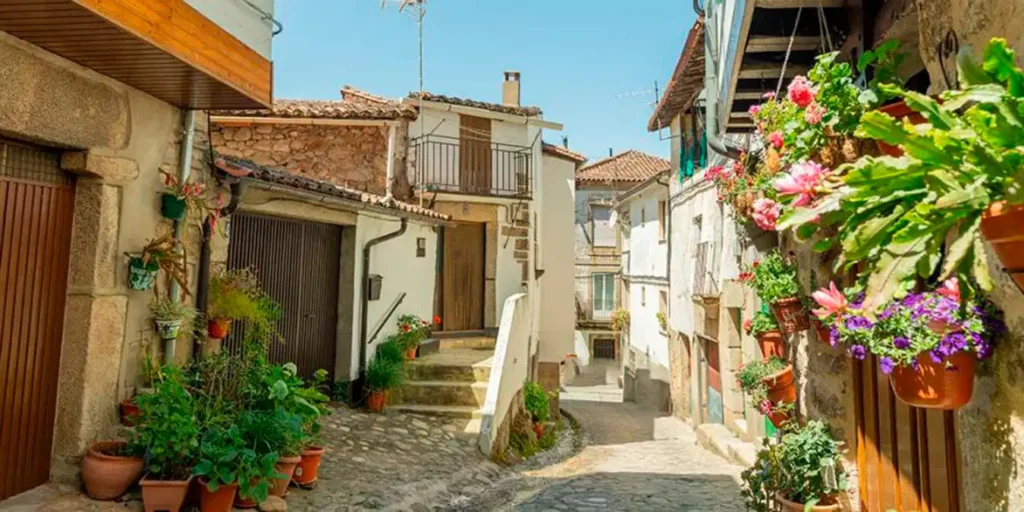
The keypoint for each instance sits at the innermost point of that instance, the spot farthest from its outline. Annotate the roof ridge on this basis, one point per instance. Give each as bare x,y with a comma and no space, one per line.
366,95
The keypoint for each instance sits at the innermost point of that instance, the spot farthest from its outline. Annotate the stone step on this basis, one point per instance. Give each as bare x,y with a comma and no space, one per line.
474,342
720,440
426,370
469,412
435,392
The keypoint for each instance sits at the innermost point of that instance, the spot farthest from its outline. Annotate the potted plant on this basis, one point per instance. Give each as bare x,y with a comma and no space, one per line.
382,374
775,281
110,468
536,402
164,253
803,472
168,432
662,320
765,329
129,412
308,470
169,315
234,295
229,468
769,383
412,330
620,319
265,433
181,198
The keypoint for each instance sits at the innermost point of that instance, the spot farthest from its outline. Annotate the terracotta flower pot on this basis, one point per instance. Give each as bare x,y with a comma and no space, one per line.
789,506
308,470
286,466
218,328
790,315
241,502
898,110
129,412
160,495
1003,226
220,500
377,400
410,354
781,389
108,476
538,428
771,344
932,386
823,331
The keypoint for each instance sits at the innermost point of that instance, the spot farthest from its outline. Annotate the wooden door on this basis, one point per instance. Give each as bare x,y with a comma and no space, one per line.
907,458
37,201
474,155
463,276
298,264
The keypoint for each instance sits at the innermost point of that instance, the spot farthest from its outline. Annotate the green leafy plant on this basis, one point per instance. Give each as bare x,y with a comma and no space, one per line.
894,215
751,377
662,320
763,480
620,319
412,330
812,464
536,401
167,254
383,374
885,59
774,278
762,322
168,309
226,459
277,431
392,349
167,430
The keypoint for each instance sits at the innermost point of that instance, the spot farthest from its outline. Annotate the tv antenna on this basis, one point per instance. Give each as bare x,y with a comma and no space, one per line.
417,9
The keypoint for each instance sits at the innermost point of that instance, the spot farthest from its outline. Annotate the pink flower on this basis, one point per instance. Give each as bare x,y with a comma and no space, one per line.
801,181
770,95
814,113
753,110
775,138
950,289
765,407
800,91
831,300
747,324
766,213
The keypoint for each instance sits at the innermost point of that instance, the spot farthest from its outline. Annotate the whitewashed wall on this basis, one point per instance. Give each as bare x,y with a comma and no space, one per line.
240,20
557,307
647,275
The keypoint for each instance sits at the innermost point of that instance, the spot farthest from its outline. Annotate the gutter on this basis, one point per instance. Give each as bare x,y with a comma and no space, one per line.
184,170
717,143
365,301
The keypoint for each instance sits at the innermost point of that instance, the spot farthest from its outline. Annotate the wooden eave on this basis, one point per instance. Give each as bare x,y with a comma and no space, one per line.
162,47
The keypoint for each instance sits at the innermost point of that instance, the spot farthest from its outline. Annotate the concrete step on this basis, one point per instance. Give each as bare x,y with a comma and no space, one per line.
474,342
720,440
436,392
425,370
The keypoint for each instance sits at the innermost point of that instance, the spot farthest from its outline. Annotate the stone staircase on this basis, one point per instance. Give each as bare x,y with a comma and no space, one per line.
450,381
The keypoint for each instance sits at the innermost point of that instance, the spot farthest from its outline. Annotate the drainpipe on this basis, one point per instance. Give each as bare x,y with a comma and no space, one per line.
184,170
715,141
388,197
364,314
203,272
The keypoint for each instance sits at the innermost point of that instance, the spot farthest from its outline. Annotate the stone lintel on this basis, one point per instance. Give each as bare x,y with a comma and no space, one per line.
112,170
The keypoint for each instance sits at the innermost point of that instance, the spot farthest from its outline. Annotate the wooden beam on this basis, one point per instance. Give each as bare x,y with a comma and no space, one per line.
738,116
764,44
749,95
771,70
793,4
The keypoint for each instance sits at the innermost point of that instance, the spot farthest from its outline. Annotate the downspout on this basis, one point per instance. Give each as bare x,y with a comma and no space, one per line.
184,170
203,272
717,143
389,185
364,313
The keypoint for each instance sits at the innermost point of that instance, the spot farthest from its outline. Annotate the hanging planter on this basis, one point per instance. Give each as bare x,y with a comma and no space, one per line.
1003,226
141,276
790,315
823,331
935,385
172,207
218,328
781,390
308,470
771,343
168,329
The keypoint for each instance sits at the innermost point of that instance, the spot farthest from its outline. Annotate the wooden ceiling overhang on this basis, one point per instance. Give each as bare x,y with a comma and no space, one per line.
163,47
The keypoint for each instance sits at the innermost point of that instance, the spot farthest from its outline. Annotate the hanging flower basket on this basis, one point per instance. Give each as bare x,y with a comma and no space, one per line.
218,328
141,276
823,331
172,207
771,344
790,315
168,329
781,390
1003,226
935,385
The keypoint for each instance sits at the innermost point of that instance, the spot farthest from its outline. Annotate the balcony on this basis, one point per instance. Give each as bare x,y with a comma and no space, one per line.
587,315
457,166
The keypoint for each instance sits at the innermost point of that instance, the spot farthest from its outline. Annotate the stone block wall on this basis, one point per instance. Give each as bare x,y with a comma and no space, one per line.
348,156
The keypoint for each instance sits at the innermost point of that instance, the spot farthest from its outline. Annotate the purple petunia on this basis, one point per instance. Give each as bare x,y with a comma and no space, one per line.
833,336
886,364
901,342
936,357
858,352
858,322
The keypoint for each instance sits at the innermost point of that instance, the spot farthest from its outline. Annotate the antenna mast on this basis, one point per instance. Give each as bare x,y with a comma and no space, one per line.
418,9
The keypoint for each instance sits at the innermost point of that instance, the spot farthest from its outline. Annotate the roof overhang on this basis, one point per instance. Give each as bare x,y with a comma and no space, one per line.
687,80
655,180
256,120
489,114
162,47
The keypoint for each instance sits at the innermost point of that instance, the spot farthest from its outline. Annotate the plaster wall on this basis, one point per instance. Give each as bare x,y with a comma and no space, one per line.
557,318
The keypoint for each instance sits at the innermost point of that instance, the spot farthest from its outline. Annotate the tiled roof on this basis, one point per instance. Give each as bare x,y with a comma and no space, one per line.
349,93
563,152
242,168
494,107
686,82
328,109
630,166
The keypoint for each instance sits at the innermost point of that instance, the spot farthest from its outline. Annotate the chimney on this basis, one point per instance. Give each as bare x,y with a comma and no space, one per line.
510,89
565,141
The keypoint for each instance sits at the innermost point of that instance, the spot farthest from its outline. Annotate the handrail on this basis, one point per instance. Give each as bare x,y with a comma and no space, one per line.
387,316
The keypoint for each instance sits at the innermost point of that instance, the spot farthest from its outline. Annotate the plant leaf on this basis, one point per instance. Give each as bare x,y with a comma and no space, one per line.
960,248
979,267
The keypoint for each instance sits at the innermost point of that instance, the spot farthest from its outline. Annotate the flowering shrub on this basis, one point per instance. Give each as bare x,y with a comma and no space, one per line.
741,187
412,330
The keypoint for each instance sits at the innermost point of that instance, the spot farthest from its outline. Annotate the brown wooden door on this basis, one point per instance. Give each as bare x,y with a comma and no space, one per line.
463,277
298,264
474,154
37,201
907,458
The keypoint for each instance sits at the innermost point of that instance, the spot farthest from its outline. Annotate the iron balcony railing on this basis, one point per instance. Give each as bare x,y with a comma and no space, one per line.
705,278
473,167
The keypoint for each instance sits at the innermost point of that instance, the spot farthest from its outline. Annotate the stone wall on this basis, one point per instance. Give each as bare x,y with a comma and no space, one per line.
348,156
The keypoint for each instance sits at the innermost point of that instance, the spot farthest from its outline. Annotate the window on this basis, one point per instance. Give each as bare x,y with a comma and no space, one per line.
663,302
421,247
662,220
604,233
604,295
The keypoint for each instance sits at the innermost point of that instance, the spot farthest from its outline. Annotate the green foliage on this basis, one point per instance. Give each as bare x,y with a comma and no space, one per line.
762,322
548,440
167,430
167,309
751,376
885,59
762,480
339,391
412,330
662,320
383,374
522,444
536,401
620,319
224,458
805,467
273,431
774,278
392,349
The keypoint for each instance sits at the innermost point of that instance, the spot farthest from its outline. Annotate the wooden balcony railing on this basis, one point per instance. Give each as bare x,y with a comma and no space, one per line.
480,168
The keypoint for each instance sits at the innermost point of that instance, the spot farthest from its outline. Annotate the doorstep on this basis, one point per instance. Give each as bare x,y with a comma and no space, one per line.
720,440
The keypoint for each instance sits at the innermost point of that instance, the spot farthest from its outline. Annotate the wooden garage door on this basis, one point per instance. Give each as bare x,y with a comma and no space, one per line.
907,457
37,201
463,276
298,264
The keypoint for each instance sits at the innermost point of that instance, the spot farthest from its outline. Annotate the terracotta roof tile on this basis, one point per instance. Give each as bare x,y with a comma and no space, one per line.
240,167
328,109
349,93
563,152
686,82
494,107
630,166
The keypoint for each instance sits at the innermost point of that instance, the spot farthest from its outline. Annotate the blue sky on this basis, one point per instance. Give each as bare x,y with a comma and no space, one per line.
576,57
